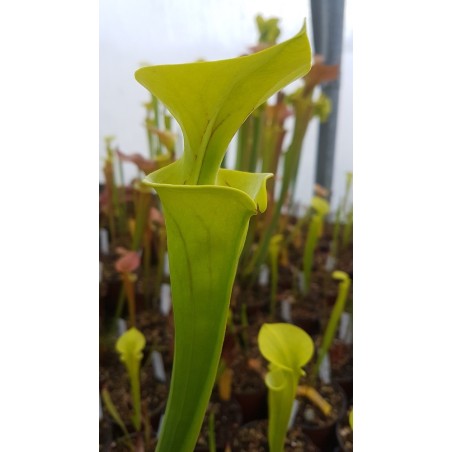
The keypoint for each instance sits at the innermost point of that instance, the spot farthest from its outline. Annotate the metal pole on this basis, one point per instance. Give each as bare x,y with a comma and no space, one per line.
328,20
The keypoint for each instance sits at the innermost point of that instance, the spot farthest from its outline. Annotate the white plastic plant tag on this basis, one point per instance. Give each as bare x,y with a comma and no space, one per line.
166,265
285,209
122,327
296,208
301,281
160,425
286,311
293,413
100,271
101,413
103,235
263,275
325,370
345,328
157,365
165,299
330,263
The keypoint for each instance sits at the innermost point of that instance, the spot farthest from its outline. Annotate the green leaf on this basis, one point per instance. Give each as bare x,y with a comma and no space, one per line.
320,205
287,347
249,187
275,380
340,275
335,316
268,29
207,210
322,108
113,411
275,245
349,177
210,100
206,228
315,226
282,386
274,250
251,184
130,348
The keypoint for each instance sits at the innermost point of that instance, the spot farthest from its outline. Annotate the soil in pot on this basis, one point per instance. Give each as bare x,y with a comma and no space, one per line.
109,291
306,317
248,388
159,333
153,394
341,362
254,300
344,433
253,437
320,428
134,443
228,418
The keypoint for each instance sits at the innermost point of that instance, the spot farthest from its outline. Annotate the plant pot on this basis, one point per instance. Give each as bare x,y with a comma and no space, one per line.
253,437
159,333
119,442
154,393
257,304
341,361
228,418
344,434
110,290
322,429
306,318
250,392
346,383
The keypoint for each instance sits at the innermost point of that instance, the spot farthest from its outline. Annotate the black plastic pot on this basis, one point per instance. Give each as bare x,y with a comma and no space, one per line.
345,444
324,437
228,419
257,432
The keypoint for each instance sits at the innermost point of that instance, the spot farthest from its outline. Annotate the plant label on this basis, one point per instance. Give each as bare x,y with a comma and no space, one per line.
101,413
325,370
345,328
301,285
157,365
263,275
309,414
165,299
285,209
286,311
162,417
297,208
122,327
103,237
166,265
330,263
293,413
